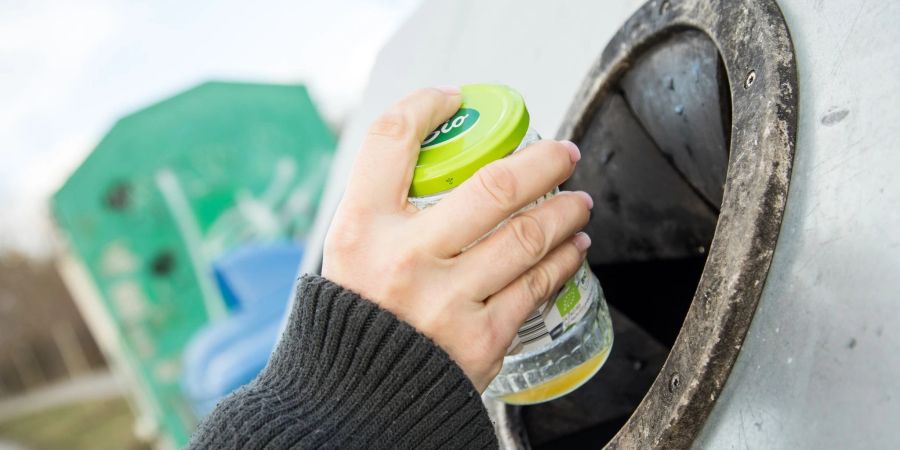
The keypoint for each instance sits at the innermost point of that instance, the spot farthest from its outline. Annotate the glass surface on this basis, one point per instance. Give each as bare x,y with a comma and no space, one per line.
566,354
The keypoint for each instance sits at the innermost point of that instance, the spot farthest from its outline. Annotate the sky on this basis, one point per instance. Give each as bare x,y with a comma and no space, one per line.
68,70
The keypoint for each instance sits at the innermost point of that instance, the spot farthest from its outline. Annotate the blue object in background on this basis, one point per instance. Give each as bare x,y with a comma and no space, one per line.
256,275
256,282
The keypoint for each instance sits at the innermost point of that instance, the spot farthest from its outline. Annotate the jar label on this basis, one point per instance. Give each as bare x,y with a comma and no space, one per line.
553,318
454,127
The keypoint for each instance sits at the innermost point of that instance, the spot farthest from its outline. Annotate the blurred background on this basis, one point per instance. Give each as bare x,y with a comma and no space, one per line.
160,166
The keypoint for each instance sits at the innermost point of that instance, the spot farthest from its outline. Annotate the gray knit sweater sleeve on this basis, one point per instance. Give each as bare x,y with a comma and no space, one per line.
348,374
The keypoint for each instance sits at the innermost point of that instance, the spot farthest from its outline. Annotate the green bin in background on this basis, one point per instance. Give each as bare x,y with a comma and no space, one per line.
168,189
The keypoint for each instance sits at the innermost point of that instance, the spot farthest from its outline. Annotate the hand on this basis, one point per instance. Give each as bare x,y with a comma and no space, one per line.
411,262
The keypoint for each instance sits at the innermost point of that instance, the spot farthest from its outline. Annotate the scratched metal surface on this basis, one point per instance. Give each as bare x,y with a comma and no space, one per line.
820,366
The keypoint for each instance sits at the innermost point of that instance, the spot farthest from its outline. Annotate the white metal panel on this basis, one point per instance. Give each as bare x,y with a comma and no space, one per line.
820,366
543,49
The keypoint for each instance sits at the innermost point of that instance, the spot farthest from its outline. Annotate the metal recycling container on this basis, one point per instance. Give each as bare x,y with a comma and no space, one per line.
168,189
742,159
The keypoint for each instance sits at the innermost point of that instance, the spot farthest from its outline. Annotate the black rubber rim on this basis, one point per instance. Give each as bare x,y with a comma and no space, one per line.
755,46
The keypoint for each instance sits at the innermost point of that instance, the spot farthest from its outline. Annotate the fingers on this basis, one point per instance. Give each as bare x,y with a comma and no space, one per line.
512,305
523,242
383,169
494,192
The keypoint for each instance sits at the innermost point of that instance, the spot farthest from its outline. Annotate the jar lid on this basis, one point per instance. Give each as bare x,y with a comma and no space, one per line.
490,124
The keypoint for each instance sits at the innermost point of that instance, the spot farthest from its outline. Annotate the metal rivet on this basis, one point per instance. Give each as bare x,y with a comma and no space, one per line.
664,7
751,77
674,382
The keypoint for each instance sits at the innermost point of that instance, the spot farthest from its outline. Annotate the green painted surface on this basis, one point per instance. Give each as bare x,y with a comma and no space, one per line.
168,189
568,298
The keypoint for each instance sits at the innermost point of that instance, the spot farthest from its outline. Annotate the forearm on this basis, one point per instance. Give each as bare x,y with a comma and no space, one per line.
348,374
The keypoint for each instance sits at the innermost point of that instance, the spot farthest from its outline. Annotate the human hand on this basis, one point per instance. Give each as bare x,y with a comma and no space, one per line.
411,263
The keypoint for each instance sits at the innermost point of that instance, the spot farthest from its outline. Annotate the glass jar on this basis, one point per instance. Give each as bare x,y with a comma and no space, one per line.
564,342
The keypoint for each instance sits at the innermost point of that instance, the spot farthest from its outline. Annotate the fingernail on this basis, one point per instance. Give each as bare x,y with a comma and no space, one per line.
586,197
449,90
574,152
582,241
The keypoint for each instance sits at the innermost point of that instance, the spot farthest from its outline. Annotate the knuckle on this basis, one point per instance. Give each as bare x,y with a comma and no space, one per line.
529,234
457,291
393,124
401,265
539,282
499,183
343,237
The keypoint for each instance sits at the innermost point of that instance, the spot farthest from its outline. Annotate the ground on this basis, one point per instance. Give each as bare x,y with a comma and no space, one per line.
89,424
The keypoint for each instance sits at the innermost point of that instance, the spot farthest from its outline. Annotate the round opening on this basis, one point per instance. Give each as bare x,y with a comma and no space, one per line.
681,249
162,263
655,154
118,196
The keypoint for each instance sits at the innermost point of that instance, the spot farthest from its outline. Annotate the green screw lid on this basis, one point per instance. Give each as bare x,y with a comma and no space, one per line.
490,124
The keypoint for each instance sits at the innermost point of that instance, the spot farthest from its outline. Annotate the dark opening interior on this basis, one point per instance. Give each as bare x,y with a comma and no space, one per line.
655,156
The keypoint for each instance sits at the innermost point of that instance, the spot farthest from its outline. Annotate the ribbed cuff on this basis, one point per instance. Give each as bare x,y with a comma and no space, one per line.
348,374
